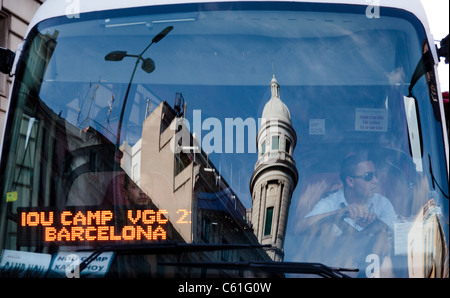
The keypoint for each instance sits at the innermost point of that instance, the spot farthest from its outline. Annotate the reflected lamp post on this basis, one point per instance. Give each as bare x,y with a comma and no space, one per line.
148,65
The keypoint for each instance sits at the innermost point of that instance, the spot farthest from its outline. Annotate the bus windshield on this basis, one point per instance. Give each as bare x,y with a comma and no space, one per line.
228,133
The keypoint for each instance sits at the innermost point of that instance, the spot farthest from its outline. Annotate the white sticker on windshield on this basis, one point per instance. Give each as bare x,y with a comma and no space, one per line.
65,263
371,120
24,264
316,126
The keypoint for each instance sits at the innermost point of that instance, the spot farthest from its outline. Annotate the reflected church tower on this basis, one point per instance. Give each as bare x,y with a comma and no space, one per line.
275,176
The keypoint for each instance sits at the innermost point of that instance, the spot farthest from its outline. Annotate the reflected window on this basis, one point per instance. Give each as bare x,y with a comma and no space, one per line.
275,142
182,160
288,146
225,255
268,225
205,229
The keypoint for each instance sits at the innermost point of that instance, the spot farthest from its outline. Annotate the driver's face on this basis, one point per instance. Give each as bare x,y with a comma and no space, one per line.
365,189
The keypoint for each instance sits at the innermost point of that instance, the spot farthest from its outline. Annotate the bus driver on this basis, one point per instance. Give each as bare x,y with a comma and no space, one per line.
357,210
357,199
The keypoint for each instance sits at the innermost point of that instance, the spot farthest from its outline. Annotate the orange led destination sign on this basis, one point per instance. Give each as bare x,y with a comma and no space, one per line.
74,226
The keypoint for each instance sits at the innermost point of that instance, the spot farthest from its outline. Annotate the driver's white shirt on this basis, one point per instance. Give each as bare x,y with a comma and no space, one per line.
377,204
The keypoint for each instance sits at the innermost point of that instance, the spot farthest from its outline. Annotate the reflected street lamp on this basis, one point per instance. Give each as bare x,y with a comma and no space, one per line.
148,65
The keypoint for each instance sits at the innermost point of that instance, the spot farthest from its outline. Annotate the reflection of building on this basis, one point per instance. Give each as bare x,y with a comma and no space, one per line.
199,203
15,16
201,208
275,175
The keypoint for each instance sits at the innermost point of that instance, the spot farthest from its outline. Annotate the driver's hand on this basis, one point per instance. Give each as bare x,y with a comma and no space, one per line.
360,215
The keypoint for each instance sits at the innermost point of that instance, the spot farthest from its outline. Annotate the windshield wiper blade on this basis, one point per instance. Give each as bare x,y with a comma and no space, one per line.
272,266
169,247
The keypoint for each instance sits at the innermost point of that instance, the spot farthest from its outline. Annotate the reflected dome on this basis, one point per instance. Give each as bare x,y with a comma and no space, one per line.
275,108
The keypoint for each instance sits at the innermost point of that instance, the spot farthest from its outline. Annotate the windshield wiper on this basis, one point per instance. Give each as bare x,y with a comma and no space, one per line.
170,247
173,247
272,266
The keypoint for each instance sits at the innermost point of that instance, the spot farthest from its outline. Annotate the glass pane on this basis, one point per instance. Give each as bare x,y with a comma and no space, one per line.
116,139
275,143
268,225
288,146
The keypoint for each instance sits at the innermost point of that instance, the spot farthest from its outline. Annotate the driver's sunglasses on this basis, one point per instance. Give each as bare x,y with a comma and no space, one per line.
367,176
